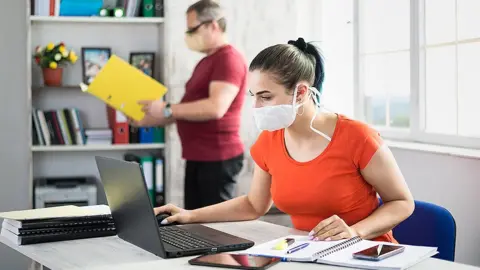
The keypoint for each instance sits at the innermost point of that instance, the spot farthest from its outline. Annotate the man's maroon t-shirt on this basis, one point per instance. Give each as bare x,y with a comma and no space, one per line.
215,140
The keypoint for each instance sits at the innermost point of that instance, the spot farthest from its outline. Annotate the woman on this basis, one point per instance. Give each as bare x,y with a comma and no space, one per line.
322,169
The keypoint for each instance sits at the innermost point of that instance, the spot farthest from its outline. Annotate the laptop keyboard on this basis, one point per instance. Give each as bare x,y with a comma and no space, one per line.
183,239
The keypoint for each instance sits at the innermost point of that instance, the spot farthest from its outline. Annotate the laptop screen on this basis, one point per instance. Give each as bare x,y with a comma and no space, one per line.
131,207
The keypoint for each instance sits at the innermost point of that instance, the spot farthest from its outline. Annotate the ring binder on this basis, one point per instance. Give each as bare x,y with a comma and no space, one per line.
343,245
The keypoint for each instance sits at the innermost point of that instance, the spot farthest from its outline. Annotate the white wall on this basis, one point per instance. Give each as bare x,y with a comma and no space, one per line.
452,182
337,48
14,120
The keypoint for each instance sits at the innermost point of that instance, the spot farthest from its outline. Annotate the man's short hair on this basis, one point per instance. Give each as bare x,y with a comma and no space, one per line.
209,10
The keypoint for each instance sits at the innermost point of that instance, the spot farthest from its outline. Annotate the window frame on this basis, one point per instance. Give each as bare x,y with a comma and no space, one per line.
416,132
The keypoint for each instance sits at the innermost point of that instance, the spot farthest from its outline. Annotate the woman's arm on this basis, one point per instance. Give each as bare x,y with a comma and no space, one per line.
246,207
383,173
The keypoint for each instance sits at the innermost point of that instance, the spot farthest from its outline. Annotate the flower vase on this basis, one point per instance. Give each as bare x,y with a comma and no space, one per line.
52,77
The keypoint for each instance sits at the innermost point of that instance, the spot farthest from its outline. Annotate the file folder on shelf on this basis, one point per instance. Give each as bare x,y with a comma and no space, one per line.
121,86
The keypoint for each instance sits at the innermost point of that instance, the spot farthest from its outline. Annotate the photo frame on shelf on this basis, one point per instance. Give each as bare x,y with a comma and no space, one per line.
93,59
144,61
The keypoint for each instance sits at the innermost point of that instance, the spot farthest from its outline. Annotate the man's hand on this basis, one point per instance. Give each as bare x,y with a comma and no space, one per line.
332,228
153,114
153,107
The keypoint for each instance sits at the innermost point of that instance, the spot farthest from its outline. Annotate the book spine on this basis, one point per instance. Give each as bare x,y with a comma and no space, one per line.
78,119
64,236
61,222
70,126
148,8
63,127
51,129
38,128
24,232
158,8
45,127
56,126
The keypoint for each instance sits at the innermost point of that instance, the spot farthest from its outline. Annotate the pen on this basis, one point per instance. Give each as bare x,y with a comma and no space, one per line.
297,248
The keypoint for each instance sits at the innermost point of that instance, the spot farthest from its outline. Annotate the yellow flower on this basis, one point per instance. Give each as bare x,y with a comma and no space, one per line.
53,65
73,58
62,49
50,46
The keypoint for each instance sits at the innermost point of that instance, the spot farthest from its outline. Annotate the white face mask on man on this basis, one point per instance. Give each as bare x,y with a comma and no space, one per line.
281,116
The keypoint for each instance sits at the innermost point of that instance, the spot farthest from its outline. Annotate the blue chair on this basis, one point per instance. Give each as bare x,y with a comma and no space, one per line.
429,225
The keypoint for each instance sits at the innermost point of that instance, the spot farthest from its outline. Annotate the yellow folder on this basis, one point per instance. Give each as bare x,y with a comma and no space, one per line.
121,86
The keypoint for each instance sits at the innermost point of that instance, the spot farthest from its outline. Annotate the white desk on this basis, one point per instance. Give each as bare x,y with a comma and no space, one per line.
112,253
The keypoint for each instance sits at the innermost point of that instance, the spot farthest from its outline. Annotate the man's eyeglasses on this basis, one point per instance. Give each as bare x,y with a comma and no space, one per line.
194,29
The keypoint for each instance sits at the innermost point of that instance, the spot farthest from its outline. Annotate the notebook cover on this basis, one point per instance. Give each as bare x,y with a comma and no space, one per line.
122,85
61,222
59,214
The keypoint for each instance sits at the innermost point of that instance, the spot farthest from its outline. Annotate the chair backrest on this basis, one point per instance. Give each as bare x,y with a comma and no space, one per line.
429,225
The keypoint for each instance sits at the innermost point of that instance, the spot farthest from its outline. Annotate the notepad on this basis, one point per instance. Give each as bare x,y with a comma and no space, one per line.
56,212
121,86
339,253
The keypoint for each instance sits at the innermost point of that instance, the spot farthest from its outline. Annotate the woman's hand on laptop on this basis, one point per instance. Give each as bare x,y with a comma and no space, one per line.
177,214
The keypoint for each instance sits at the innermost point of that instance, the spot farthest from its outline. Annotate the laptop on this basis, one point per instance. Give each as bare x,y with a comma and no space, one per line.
136,223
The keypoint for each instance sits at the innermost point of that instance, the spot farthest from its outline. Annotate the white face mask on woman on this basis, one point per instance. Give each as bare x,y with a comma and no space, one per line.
281,116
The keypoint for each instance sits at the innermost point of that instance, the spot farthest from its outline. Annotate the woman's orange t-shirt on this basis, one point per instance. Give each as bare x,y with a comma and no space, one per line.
330,184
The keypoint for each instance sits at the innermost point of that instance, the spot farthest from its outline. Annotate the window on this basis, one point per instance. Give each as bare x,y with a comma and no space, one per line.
418,68
337,49
385,62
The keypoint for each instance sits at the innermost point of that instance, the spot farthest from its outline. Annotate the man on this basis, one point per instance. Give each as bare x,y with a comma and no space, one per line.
208,116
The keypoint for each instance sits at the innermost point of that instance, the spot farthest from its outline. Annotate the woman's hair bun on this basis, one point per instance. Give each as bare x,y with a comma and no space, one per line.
299,43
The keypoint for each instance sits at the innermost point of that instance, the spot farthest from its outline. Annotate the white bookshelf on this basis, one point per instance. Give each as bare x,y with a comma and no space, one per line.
86,148
123,36
123,20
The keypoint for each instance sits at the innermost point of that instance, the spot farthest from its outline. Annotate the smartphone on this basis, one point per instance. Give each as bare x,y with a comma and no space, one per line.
378,252
236,261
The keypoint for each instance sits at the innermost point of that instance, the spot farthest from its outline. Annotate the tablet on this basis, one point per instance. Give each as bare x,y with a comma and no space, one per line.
236,261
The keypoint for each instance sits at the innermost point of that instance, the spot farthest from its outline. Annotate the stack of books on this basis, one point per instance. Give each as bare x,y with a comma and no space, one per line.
99,136
57,224
57,127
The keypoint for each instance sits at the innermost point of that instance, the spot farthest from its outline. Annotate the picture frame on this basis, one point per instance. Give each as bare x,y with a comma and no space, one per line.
144,61
93,59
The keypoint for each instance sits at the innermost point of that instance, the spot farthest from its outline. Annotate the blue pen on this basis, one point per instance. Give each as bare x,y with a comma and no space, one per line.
297,248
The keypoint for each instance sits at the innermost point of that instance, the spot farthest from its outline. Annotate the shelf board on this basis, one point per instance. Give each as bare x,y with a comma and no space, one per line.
128,20
65,87
83,148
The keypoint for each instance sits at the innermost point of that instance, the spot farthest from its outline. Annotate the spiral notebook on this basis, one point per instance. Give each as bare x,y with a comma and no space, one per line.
339,253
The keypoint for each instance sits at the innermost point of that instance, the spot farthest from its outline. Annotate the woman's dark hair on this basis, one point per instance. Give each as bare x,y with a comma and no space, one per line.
291,63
